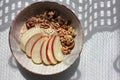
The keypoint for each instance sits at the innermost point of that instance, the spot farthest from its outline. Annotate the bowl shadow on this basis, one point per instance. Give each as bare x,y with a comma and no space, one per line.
76,76
12,62
116,64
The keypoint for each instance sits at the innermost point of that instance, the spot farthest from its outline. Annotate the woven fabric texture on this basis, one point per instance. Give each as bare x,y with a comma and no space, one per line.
100,58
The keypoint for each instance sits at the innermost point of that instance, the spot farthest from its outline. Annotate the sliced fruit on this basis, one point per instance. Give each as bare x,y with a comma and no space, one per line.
56,48
27,35
41,50
30,43
49,53
36,57
43,53
40,47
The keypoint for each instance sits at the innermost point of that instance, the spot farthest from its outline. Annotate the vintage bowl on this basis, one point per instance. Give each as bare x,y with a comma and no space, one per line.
31,71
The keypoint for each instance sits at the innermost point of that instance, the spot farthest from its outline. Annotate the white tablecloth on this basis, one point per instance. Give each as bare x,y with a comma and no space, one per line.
100,58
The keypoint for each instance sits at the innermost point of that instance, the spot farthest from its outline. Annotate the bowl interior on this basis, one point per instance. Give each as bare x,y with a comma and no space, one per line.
33,10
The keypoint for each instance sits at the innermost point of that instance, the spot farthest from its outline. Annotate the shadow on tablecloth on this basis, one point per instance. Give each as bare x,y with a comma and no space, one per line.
12,62
116,64
77,75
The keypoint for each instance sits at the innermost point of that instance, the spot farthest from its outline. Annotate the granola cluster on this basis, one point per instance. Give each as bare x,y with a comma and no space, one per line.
67,36
51,18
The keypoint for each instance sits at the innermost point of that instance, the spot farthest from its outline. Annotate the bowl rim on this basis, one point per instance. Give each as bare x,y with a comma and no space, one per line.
11,26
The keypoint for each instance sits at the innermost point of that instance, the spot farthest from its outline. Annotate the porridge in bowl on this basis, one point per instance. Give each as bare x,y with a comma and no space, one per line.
47,37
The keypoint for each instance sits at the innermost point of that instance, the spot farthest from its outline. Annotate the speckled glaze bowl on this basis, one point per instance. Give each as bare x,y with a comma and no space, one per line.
31,71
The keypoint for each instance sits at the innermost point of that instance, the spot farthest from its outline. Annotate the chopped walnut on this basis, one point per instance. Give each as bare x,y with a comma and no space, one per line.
65,27
44,25
67,43
60,20
68,39
61,32
71,32
65,50
72,45
31,22
55,25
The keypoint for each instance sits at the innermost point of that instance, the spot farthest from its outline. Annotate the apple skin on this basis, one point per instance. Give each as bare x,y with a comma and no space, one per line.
30,43
49,53
27,35
36,57
56,49
41,50
43,53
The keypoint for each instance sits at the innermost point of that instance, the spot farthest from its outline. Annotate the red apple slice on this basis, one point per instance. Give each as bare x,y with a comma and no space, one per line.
56,48
31,42
27,35
36,57
49,54
43,53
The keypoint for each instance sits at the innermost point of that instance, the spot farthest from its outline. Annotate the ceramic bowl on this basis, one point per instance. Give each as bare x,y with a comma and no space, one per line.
62,71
